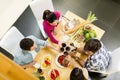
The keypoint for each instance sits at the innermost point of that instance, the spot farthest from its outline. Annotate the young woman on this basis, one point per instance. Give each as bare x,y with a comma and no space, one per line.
77,73
51,20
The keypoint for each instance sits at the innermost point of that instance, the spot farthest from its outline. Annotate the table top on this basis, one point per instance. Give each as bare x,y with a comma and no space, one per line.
71,16
64,72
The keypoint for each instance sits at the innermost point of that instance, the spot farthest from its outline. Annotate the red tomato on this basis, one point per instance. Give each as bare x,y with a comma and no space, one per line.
57,73
61,58
54,73
47,62
52,76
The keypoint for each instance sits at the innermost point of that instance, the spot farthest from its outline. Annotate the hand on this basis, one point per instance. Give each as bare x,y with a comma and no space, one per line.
81,62
60,44
68,57
52,46
72,55
28,65
32,63
54,32
57,48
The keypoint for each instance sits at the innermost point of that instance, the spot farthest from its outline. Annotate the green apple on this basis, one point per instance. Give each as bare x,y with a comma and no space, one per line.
87,35
93,31
91,35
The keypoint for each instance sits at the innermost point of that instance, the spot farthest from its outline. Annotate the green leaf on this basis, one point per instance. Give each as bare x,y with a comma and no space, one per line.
91,17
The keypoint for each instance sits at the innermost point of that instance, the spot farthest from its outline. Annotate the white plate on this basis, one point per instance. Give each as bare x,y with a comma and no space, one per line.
44,59
57,63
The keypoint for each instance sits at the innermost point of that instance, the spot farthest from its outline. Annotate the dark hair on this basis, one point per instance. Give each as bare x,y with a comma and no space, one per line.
26,43
49,16
77,74
92,45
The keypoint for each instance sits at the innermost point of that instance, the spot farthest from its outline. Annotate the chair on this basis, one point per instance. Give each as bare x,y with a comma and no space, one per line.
114,65
10,40
115,61
38,7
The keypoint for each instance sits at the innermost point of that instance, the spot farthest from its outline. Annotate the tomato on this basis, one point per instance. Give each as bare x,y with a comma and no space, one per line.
47,62
61,58
54,74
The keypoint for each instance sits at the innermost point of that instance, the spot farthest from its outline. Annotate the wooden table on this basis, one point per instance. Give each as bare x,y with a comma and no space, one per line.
64,72
72,16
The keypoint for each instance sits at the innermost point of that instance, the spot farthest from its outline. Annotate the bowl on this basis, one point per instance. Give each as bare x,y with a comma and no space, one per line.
57,63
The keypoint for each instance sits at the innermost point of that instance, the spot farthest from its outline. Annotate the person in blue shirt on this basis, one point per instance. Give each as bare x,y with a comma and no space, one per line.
29,46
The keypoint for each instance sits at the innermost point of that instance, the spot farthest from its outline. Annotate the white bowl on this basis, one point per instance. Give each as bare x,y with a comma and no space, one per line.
43,61
70,25
57,63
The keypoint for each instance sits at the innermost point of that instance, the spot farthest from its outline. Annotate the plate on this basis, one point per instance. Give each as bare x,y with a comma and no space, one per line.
46,61
54,75
57,63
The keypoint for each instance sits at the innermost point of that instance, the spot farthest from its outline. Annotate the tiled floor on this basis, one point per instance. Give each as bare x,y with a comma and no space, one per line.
107,11
27,24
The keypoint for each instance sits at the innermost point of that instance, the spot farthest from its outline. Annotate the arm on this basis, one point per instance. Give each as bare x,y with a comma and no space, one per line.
22,59
37,41
42,42
85,73
51,36
80,50
49,45
80,61
73,62
28,65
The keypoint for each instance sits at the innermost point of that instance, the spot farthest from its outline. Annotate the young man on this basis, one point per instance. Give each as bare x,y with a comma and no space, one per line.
98,55
29,45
